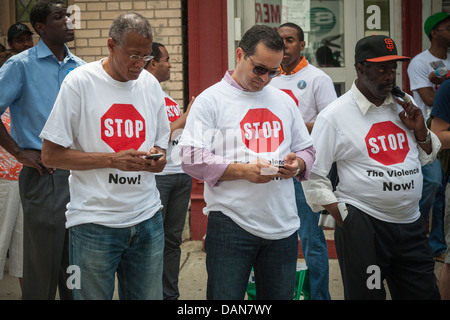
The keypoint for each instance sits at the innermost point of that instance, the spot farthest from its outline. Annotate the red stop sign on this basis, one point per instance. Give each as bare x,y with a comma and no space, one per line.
173,111
123,127
387,143
262,131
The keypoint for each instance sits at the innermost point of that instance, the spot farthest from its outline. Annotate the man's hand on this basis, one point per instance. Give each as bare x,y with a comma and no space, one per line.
334,211
130,160
434,79
156,166
32,158
291,164
412,118
260,171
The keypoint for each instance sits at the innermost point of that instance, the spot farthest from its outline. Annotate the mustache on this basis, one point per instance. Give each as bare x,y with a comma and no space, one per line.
386,85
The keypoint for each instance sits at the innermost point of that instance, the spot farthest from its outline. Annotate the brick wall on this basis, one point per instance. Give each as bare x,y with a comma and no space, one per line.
165,16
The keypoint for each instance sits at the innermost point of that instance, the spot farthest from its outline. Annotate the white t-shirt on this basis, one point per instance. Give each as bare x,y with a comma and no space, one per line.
378,159
241,127
311,88
173,152
418,72
95,113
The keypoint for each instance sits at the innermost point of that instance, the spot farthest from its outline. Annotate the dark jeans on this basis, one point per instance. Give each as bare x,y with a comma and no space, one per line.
314,247
45,244
134,253
175,193
231,252
433,199
370,250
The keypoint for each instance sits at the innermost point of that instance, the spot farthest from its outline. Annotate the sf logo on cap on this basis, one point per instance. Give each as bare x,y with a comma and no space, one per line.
389,44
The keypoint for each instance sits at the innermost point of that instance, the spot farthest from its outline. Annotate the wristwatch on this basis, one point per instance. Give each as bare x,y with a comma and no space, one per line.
427,140
298,171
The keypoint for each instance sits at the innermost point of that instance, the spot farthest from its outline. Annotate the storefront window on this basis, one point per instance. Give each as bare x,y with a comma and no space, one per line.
377,17
23,8
322,22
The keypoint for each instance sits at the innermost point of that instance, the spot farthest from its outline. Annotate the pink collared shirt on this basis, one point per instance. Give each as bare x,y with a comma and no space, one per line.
210,167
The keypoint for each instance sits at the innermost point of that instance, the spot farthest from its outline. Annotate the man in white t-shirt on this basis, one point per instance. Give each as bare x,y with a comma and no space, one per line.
312,90
436,27
108,118
247,140
173,183
379,145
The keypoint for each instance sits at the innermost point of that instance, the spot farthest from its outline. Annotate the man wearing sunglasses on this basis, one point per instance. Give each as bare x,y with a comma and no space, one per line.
247,140
312,90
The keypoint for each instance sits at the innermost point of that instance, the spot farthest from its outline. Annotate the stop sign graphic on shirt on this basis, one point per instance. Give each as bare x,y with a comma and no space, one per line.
387,143
123,127
262,131
173,111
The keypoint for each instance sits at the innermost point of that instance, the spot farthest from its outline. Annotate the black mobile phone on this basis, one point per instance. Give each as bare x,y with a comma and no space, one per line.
154,156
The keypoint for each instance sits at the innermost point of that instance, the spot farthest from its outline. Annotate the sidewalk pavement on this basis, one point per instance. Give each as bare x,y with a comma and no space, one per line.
193,276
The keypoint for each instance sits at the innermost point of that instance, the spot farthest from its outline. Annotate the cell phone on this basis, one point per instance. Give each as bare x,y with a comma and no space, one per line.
154,156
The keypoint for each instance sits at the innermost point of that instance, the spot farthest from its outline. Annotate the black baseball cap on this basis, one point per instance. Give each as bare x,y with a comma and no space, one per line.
16,30
377,48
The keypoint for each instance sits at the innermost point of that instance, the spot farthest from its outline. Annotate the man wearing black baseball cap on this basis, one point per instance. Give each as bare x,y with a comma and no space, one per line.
19,39
379,145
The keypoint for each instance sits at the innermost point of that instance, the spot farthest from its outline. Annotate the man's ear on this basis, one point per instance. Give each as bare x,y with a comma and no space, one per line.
111,43
359,68
433,33
152,63
302,45
240,54
40,27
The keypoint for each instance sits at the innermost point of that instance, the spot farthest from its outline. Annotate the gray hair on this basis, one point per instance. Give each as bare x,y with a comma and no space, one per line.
130,22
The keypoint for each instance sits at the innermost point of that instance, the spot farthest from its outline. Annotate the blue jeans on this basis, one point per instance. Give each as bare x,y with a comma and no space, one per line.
175,193
314,247
135,253
231,252
433,198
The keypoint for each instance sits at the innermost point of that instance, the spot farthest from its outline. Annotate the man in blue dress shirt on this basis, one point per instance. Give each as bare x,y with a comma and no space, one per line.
30,83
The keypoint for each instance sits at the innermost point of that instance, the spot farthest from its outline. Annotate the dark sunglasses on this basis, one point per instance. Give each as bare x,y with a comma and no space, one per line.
259,71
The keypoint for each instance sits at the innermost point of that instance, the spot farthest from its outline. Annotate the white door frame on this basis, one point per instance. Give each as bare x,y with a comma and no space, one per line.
241,16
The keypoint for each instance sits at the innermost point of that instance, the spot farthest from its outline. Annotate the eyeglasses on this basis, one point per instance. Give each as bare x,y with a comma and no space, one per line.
259,71
136,57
